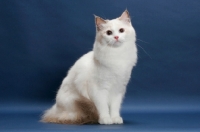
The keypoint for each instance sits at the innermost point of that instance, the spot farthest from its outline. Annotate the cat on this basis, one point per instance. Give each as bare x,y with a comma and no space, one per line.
94,88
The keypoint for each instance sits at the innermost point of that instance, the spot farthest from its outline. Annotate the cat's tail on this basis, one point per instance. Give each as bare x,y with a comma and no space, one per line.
86,113
51,115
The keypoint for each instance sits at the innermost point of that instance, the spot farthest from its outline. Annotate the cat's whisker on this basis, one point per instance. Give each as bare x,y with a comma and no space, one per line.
143,50
109,42
143,41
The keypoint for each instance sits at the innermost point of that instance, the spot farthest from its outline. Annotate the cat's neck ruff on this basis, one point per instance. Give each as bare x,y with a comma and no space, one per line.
112,56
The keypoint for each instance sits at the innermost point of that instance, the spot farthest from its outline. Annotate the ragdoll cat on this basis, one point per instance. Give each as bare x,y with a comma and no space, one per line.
94,88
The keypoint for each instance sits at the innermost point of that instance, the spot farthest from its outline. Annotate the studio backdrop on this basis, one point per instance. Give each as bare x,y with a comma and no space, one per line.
41,39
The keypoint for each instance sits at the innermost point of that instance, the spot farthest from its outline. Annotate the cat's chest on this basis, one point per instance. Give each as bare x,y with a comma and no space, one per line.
120,59
118,66
114,68
113,76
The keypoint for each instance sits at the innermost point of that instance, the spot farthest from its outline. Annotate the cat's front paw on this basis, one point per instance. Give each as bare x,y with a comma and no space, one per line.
105,121
117,120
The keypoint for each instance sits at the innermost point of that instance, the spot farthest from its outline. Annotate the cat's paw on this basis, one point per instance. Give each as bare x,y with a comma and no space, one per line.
117,120
105,121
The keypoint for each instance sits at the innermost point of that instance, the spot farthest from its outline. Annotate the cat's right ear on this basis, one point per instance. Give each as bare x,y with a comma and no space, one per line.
99,22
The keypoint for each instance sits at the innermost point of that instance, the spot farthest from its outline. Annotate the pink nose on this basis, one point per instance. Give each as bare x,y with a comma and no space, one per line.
116,37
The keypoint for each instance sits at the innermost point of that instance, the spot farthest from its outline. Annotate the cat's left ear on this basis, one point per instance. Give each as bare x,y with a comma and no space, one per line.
99,22
125,16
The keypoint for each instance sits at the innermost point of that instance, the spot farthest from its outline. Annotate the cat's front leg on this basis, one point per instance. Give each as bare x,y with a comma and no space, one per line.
115,105
101,102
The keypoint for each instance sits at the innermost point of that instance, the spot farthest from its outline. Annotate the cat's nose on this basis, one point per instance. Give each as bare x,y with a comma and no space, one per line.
116,37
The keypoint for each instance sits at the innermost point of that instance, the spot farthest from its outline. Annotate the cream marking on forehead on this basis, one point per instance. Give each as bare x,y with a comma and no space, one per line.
113,24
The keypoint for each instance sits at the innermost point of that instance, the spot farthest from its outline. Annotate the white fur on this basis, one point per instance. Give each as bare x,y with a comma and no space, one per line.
100,75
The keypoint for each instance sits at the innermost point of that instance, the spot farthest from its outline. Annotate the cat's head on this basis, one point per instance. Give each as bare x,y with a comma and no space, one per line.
114,32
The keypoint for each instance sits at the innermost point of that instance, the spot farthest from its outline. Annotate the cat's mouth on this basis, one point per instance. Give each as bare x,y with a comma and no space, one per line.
116,43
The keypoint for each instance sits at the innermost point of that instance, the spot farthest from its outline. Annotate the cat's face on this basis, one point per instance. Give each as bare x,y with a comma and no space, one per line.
114,32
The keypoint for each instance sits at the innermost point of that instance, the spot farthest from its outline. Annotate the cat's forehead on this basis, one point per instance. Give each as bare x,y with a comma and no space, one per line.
114,23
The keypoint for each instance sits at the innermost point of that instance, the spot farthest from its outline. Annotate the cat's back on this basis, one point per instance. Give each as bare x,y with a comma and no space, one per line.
84,63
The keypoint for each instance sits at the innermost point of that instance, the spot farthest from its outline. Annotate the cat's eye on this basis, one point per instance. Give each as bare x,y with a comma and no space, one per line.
121,30
109,32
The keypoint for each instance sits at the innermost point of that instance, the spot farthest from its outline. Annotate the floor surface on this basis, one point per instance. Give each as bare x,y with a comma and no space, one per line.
25,118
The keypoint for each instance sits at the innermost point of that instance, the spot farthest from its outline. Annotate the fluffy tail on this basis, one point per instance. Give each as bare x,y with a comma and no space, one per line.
50,115
86,113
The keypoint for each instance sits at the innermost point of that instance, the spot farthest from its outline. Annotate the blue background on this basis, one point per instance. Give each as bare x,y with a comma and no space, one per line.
41,39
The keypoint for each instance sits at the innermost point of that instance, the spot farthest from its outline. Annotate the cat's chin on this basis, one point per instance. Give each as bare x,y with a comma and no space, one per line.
115,44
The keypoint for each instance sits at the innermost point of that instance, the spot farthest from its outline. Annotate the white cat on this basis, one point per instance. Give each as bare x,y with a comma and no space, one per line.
93,90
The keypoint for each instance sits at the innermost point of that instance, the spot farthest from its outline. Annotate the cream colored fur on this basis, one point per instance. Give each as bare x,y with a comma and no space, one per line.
94,88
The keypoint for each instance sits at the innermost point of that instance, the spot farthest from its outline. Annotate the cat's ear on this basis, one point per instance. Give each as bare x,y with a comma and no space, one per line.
99,22
125,16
